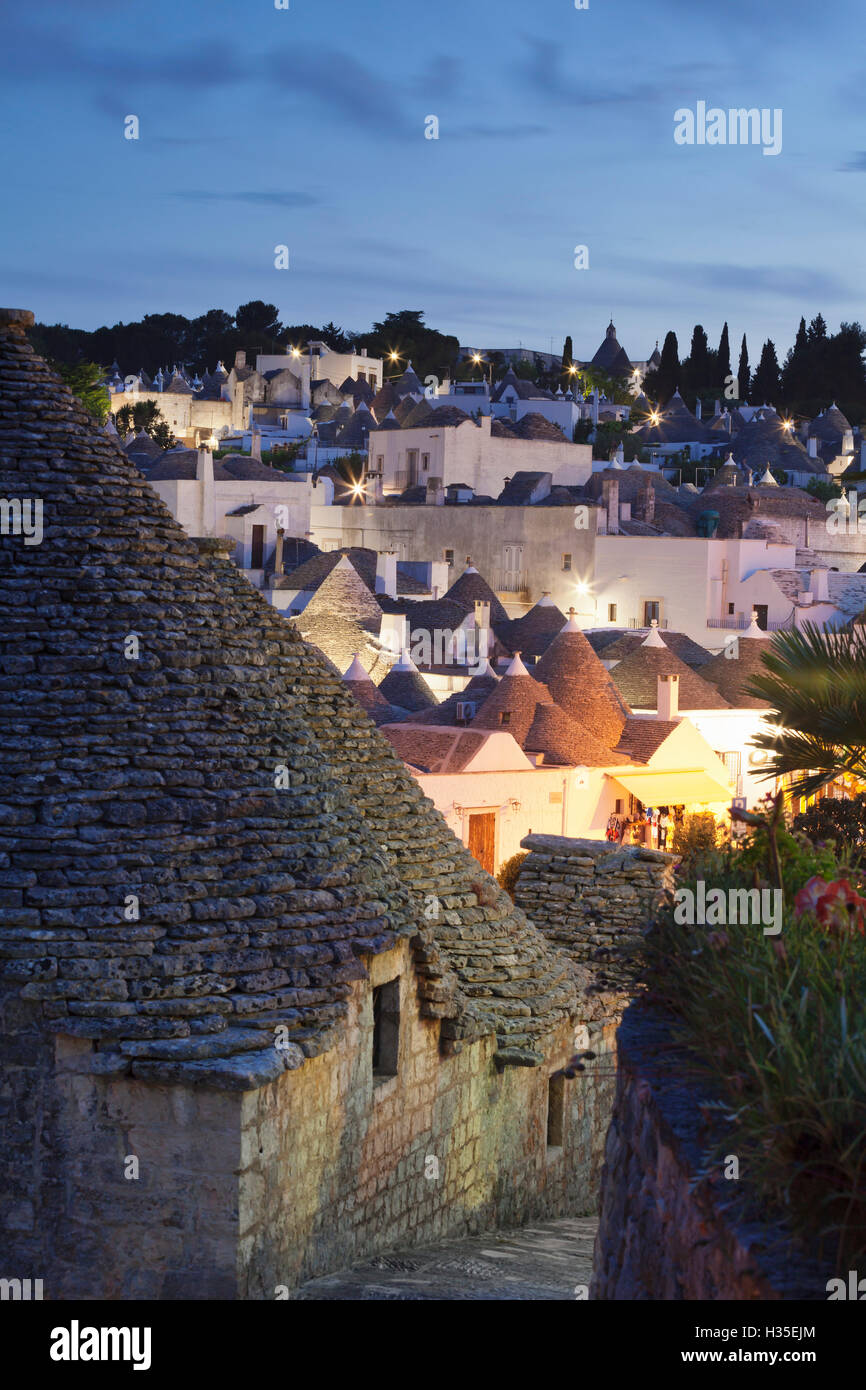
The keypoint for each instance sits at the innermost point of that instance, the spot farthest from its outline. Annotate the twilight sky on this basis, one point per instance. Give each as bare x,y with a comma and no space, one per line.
305,127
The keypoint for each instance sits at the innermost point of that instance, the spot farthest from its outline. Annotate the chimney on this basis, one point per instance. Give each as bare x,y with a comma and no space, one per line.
812,445
646,503
240,358
698,409
668,697
278,553
204,466
394,633
256,444
435,495
718,409
610,494
482,613
386,573
819,586
207,492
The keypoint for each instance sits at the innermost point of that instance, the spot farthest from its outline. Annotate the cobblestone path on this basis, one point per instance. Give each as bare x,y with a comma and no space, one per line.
543,1261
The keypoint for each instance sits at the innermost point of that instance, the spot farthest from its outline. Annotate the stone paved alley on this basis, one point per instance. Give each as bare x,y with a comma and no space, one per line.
540,1262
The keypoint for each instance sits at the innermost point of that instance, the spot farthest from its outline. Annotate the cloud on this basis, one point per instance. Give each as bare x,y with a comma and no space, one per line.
343,86
286,199
541,71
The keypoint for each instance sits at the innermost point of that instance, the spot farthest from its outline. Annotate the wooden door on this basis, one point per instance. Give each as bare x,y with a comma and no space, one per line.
482,839
257,557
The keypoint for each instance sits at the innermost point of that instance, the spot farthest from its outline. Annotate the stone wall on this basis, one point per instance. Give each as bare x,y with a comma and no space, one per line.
592,898
671,1222
241,1192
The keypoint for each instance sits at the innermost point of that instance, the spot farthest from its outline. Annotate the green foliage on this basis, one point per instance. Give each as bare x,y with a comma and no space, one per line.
86,380
258,323
283,456
842,821
430,352
147,416
776,1025
162,435
696,833
509,873
815,685
823,489
610,434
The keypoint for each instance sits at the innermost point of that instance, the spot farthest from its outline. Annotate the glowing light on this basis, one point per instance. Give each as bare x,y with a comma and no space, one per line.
654,417
296,352
394,356
582,587
788,424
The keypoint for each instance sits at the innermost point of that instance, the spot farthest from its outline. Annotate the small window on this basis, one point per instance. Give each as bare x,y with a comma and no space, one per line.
651,611
730,608
566,562
555,798
386,1029
617,806
425,462
611,612
449,557
380,461
505,717
555,1111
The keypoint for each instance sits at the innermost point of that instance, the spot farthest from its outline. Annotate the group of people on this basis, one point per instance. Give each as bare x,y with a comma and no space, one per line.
648,826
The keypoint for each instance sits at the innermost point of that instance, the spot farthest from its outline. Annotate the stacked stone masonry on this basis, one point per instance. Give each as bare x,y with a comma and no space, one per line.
209,859
672,1226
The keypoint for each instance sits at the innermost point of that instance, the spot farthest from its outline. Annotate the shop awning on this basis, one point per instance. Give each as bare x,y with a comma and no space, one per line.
675,788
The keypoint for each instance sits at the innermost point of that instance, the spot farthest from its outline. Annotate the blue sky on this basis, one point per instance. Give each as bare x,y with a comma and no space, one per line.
305,127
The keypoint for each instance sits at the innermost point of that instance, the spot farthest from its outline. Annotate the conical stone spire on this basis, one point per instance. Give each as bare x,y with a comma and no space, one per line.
169,736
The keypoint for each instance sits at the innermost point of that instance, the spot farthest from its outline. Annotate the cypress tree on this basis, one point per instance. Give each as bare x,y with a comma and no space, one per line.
723,357
743,373
669,370
765,386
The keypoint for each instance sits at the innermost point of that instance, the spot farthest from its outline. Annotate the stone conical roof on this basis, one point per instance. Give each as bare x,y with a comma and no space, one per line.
636,677
732,670
581,685
513,703
223,777
470,587
534,632
406,688
475,693
565,741
367,693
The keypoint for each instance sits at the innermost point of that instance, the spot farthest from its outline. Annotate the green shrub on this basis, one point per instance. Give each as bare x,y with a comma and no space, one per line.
695,833
777,1025
508,873
841,821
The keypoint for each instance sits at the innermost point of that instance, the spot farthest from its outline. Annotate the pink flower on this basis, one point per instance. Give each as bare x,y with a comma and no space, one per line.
836,905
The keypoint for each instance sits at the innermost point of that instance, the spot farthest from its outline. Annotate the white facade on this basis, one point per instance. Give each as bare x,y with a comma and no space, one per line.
468,453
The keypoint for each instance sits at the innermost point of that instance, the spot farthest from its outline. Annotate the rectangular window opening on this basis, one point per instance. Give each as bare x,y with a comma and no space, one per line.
555,1111
611,612
386,1029
566,562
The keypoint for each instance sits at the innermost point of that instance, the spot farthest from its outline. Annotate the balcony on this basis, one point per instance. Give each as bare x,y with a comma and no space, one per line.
741,624
511,581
